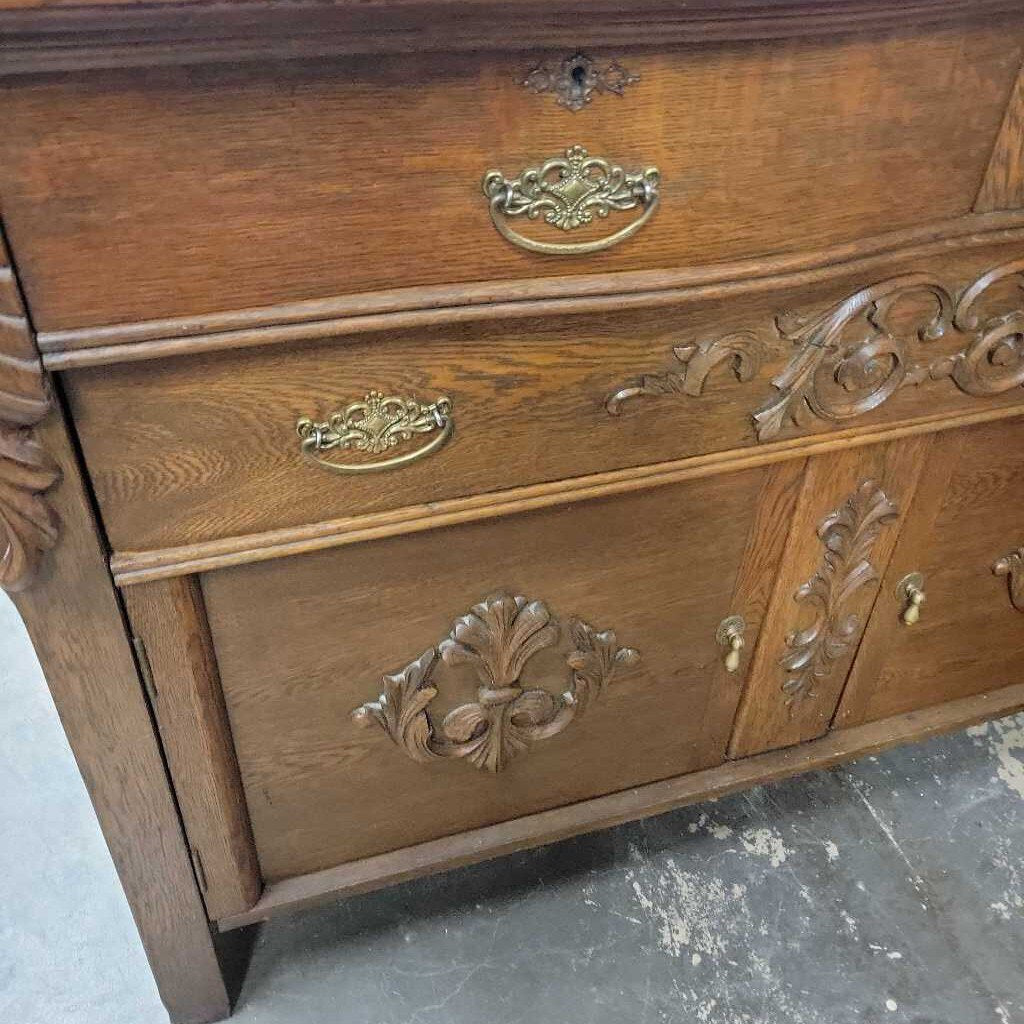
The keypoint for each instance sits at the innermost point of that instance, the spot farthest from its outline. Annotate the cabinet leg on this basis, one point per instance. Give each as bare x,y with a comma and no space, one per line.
73,616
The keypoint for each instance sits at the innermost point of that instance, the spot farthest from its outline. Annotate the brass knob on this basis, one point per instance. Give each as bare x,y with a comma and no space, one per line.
730,635
910,590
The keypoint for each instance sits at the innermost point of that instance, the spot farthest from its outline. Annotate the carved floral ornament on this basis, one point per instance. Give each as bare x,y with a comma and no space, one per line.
852,358
848,535
497,638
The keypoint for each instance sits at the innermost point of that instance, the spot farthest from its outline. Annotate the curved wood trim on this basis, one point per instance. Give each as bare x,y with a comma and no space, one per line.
125,33
420,307
141,566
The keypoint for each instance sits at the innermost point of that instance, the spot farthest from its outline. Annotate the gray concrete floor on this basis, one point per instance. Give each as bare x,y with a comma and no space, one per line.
890,891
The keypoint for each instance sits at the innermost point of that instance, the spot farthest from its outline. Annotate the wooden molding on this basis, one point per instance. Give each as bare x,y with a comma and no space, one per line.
28,524
128,33
450,304
130,567
604,812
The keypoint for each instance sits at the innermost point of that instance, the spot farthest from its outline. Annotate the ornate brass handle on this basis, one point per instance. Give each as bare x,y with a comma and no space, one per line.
730,634
376,424
569,191
910,589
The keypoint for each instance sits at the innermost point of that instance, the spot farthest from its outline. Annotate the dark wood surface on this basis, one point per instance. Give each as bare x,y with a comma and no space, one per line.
342,177
79,34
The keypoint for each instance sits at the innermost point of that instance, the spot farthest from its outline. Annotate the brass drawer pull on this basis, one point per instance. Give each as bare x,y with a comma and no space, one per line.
910,590
730,635
569,191
376,424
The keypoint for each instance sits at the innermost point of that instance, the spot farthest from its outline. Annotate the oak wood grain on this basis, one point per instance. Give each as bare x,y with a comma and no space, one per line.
399,308
1003,184
302,642
74,619
205,449
326,178
170,621
969,512
290,895
843,574
136,567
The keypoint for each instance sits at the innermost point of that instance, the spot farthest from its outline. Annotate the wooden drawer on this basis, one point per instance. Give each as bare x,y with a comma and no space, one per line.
184,451
965,538
183,191
302,642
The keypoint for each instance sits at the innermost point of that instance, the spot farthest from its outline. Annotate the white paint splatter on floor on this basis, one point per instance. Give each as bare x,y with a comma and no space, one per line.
765,842
1005,739
692,914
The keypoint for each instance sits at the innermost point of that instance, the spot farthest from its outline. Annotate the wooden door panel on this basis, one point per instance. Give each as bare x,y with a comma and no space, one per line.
304,642
967,517
843,532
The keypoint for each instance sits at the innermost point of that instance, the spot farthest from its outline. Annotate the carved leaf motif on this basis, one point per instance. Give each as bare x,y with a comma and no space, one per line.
848,535
497,638
28,524
742,350
852,358
401,709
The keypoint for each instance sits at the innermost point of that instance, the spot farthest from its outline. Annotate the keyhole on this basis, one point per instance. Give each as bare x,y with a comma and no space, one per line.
579,75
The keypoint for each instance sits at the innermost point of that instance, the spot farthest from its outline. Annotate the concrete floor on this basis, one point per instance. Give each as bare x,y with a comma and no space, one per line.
890,891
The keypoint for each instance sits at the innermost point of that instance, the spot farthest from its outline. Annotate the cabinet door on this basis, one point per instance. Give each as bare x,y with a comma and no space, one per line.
964,536
843,532
397,691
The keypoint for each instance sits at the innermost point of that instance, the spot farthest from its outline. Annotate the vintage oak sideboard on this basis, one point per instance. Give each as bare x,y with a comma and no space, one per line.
429,429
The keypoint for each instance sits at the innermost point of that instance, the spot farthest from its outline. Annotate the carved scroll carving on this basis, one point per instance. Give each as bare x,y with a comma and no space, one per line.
742,350
851,358
28,525
1012,567
497,638
849,535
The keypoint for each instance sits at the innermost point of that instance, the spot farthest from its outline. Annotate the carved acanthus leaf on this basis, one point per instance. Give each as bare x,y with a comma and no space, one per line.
742,350
497,638
28,525
848,535
853,358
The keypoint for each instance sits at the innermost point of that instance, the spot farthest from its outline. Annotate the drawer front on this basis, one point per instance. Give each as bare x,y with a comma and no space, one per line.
389,693
141,196
206,447
962,548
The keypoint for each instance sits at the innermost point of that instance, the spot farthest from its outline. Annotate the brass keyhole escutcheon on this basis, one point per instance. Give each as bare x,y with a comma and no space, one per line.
910,590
